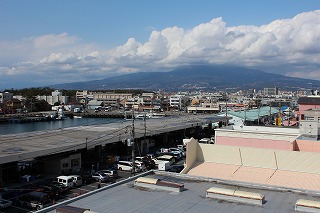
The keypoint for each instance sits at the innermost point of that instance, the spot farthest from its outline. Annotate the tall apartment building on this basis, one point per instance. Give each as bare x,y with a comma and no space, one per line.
271,91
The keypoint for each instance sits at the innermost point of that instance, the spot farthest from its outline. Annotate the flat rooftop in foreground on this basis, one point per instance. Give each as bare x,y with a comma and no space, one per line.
124,197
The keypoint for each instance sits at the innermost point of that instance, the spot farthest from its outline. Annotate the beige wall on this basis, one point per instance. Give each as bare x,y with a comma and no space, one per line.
261,158
254,157
191,157
299,161
218,154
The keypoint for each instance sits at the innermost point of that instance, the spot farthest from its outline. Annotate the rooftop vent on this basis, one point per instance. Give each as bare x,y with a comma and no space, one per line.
235,195
158,184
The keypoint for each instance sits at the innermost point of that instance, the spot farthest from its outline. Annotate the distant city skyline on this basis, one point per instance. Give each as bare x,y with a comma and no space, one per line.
50,42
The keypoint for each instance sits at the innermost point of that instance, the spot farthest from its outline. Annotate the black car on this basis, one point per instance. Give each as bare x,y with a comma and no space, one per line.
62,188
52,191
87,178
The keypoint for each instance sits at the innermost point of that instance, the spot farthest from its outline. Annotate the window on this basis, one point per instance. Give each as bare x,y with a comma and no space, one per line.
75,162
65,165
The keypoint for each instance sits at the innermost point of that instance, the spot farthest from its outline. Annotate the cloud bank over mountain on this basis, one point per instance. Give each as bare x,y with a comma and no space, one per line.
289,46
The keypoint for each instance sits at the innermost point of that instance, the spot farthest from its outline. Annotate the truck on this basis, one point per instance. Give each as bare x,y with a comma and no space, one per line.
161,165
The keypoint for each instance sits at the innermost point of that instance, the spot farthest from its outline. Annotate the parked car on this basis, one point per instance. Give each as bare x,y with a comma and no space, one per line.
35,200
62,188
183,153
168,158
164,151
86,178
182,147
141,165
149,163
126,166
65,180
77,180
52,191
111,172
99,176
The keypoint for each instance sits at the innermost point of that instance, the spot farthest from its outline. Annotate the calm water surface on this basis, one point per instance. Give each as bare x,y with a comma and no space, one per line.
13,128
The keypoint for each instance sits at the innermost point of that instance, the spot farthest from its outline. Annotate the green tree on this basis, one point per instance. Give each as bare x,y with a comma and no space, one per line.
42,105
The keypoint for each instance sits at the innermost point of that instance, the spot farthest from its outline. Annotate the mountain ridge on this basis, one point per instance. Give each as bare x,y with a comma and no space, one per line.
204,77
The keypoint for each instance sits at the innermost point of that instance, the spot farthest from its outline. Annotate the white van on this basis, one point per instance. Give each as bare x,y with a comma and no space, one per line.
67,181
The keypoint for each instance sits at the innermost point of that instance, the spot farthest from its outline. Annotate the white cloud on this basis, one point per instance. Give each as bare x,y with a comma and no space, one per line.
60,58
288,43
53,41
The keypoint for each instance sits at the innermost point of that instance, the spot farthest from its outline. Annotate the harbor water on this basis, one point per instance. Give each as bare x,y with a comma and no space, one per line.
15,128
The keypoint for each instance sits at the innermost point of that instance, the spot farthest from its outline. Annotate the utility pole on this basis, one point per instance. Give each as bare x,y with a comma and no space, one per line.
245,116
145,129
258,114
133,143
226,109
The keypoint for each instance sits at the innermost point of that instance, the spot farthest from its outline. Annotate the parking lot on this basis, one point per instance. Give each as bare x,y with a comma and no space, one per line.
85,188
19,194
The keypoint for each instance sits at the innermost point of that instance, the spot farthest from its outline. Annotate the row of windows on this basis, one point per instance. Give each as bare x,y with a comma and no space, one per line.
74,163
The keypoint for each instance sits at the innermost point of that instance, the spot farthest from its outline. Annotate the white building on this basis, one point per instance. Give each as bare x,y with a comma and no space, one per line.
4,96
175,101
56,97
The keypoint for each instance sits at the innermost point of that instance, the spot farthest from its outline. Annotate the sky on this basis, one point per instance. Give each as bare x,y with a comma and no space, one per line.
50,42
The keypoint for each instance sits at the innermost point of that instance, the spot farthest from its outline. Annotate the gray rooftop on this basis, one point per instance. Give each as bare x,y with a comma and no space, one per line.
126,198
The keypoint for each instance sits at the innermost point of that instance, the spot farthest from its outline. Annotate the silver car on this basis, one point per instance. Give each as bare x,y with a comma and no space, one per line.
99,176
110,172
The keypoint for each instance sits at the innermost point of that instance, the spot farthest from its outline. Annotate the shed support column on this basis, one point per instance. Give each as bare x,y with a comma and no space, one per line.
165,138
97,151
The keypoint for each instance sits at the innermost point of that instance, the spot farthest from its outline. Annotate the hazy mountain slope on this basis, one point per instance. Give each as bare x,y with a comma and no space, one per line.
194,77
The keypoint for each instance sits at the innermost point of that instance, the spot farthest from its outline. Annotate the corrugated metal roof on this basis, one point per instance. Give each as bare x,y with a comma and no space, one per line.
309,100
23,146
253,114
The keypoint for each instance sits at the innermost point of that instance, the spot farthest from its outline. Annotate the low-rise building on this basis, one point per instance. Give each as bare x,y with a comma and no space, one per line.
307,103
13,104
111,99
263,116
